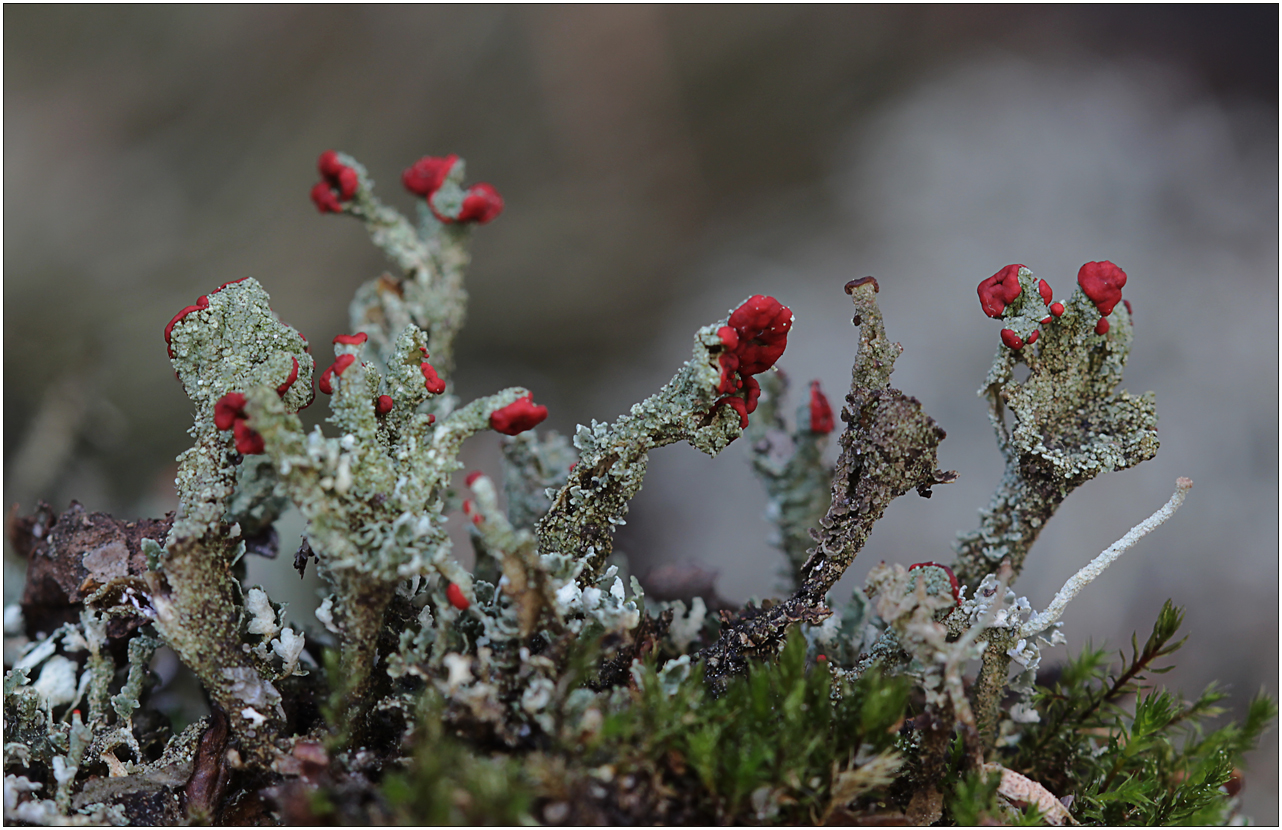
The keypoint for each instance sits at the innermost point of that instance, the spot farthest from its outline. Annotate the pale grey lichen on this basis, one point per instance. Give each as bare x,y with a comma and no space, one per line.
1059,428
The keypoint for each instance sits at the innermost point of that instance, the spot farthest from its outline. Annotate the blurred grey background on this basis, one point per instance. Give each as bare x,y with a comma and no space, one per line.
659,165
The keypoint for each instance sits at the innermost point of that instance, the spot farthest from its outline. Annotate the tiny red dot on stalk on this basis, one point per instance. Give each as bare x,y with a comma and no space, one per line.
324,199
1032,338
1044,289
431,380
1102,326
383,405
455,595
1046,319
821,421
351,339
1012,340
1057,309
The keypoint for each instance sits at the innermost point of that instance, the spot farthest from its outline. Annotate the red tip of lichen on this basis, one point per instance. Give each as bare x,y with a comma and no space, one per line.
324,199
425,176
339,183
248,442
1012,340
1102,326
473,476
518,416
202,303
820,410
431,380
352,339
481,204
1127,303
227,409
1044,289
383,405
1057,309
229,413
340,365
999,290
1032,338
1102,284
455,595
289,381
754,337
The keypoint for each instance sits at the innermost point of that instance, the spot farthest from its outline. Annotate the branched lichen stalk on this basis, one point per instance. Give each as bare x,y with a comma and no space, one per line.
613,458
887,449
1069,421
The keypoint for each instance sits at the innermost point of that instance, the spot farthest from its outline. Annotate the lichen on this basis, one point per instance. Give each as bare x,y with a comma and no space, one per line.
543,684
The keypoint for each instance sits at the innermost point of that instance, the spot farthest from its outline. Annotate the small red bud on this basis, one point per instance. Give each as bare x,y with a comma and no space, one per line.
1032,338
1057,309
518,416
999,290
1045,290
352,339
384,404
473,476
430,379
455,595
1012,340
1102,326
1046,319
821,421
481,204
340,364
324,199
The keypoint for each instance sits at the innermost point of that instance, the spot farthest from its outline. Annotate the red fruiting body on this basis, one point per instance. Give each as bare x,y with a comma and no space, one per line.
425,176
228,409
289,381
754,336
1032,338
1102,284
337,177
821,658
820,410
518,416
1011,339
952,577
1127,303
473,476
999,290
430,379
729,337
352,339
1045,290
738,405
383,405
229,282
324,199
248,442
1102,326
481,204
202,303
455,595
229,413
1046,319
1057,309
339,366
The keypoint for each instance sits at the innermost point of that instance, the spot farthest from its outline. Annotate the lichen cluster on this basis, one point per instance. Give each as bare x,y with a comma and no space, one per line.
540,684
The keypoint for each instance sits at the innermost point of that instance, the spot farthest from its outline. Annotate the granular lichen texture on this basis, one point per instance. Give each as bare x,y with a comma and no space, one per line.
541,684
